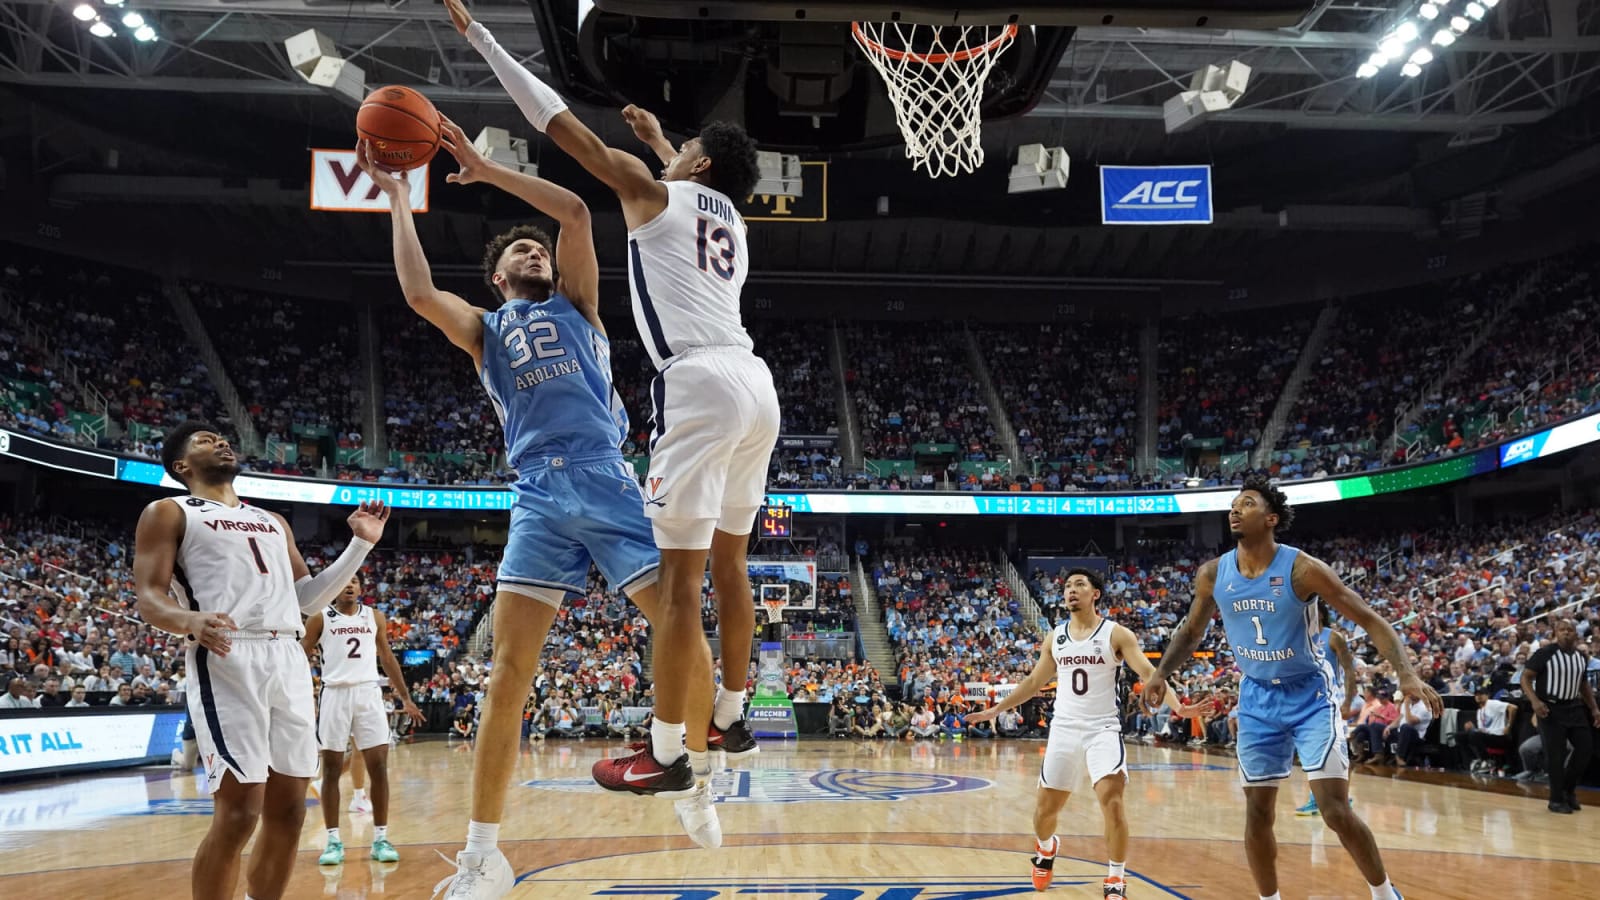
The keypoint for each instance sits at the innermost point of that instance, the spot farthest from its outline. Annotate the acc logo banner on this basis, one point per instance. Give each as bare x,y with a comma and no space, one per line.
1155,195
339,185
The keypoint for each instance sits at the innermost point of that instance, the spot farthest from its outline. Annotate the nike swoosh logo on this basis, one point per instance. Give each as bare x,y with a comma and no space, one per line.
629,776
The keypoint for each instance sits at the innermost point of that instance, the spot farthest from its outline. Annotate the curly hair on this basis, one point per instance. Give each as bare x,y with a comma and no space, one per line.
176,444
734,170
497,248
1277,501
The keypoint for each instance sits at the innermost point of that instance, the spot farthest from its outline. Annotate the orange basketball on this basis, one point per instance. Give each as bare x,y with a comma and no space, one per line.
402,125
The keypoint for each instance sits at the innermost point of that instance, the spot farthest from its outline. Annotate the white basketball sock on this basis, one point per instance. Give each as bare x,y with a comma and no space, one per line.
700,763
1116,869
333,836
666,741
728,710
482,837
1047,849
1383,891
1275,896
380,833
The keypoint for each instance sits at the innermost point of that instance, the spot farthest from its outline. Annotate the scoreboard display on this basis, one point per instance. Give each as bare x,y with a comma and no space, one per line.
776,521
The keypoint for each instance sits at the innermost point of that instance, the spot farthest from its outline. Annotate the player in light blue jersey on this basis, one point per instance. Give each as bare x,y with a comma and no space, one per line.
544,359
1267,594
1336,650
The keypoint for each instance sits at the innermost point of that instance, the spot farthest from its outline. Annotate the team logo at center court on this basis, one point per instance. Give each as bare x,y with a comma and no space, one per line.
654,495
796,786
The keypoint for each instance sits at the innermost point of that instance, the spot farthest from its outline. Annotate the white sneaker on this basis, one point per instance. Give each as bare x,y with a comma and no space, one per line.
361,804
698,816
479,876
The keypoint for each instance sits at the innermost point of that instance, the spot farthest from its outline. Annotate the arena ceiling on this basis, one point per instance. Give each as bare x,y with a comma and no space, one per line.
214,96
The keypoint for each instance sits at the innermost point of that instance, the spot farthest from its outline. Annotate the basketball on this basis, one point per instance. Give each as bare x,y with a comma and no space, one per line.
402,125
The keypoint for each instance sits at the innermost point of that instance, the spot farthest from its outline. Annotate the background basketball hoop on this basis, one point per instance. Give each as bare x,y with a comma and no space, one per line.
935,76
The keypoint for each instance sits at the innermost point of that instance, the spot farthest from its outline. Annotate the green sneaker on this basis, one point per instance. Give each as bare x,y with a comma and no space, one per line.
332,856
383,851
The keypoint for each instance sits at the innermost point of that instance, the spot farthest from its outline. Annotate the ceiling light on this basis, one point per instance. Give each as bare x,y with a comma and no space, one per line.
1429,11
1410,70
1422,57
145,33
101,29
1367,70
1392,46
1444,37
133,20
1459,25
115,2
83,12
1407,30
1489,4
1475,12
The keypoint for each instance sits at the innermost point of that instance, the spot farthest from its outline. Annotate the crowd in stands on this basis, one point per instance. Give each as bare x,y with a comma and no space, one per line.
1541,366
1220,378
1071,398
913,384
70,632
952,619
114,328
435,410
295,363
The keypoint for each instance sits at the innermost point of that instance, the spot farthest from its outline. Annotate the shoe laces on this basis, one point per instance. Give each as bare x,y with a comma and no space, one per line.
465,878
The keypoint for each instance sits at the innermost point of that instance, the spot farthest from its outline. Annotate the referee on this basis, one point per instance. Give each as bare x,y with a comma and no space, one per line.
1561,683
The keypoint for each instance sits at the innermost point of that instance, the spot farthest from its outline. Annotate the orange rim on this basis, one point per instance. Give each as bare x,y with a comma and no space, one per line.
932,59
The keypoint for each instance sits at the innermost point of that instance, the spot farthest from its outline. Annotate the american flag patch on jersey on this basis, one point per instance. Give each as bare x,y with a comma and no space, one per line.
1275,581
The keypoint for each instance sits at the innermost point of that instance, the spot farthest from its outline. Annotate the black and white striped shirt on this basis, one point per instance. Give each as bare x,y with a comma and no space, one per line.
1559,673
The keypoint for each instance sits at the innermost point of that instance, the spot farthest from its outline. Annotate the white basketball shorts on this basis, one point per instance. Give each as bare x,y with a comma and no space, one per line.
352,713
1071,754
253,711
716,423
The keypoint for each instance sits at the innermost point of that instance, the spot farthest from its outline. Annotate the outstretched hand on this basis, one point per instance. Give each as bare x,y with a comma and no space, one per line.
459,17
1416,689
386,180
368,520
646,127
474,165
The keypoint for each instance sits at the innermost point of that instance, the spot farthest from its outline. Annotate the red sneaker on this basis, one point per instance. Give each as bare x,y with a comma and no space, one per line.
1044,866
639,773
1116,888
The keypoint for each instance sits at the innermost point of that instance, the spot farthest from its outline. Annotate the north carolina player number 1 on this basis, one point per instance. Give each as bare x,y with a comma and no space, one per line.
1261,636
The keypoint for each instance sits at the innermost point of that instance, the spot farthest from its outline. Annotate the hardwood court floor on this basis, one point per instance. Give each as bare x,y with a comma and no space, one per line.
836,820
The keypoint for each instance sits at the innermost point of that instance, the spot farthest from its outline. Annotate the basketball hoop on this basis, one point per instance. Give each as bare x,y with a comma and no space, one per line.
935,76
774,606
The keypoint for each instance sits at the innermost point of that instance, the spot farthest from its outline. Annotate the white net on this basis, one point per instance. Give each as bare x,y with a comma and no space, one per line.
935,77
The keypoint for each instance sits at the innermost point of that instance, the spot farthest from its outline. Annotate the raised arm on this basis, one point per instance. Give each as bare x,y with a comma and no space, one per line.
646,127
460,321
1313,576
575,260
1187,637
1043,672
643,197
315,592
155,552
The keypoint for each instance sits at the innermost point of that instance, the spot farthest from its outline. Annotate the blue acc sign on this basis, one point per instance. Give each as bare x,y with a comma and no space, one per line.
1155,195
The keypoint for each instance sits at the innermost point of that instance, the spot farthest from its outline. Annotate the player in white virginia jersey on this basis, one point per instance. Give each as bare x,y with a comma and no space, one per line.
241,588
1082,655
716,410
353,641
